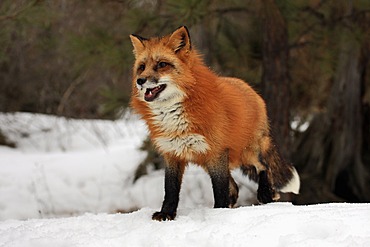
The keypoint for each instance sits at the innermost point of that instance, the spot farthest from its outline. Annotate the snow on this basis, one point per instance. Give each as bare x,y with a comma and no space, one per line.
67,179
277,224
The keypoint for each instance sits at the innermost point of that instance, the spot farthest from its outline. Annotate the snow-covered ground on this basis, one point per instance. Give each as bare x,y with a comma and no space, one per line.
65,181
278,224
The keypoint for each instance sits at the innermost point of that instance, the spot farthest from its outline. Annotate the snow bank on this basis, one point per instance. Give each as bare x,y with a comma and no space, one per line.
64,167
277,224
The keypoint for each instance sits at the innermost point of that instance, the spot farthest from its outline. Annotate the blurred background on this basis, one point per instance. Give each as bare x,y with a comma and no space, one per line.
308,59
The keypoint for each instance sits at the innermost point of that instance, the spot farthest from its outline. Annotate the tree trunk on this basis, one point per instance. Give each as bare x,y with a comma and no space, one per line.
275,78
330,151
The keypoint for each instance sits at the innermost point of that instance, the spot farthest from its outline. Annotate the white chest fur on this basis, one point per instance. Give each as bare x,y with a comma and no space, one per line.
176,137
170,118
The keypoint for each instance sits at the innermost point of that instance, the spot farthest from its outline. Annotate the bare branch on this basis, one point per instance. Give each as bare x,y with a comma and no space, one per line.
69,91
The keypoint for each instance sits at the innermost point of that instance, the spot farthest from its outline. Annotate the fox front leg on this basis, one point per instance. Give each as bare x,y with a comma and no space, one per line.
172,185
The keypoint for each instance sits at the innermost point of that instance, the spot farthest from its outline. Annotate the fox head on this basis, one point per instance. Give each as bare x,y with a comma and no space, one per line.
161,69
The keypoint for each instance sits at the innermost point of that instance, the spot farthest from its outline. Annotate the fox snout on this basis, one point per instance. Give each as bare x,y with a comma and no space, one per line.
150,87
142,80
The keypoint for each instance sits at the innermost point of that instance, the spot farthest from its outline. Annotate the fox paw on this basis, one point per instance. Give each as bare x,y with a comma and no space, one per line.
162,216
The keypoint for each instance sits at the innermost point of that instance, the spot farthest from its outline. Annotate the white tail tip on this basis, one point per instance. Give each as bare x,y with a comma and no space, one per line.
293,185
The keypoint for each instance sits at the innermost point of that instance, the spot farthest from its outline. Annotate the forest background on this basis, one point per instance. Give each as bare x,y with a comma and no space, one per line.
310,60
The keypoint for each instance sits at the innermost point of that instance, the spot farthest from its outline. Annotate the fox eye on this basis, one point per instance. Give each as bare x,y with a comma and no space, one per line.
141,67
162,65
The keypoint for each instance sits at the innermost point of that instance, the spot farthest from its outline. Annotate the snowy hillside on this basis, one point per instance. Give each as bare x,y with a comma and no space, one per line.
64,167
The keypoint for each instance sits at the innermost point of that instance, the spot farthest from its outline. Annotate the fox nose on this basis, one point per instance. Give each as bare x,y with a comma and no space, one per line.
141,81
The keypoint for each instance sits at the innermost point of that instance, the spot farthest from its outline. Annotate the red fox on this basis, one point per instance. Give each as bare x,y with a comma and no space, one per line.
193,115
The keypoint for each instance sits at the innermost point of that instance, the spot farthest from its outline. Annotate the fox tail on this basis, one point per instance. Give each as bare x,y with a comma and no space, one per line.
282,175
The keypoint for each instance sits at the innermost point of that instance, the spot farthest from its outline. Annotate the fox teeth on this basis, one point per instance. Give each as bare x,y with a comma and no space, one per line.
151,89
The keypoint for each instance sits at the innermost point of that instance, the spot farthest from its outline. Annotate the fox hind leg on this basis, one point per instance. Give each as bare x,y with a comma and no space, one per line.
233,192
265,193
272,173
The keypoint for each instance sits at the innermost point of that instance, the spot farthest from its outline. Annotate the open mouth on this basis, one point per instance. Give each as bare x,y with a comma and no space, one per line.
152,93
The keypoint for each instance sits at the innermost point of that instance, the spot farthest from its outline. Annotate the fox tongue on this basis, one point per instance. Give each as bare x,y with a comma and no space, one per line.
151,93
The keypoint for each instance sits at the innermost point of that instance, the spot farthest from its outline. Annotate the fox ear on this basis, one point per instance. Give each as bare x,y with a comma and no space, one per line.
137,43
180,40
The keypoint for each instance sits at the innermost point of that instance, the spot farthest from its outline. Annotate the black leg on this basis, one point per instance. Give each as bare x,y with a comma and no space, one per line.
220,177
172,185
265,192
